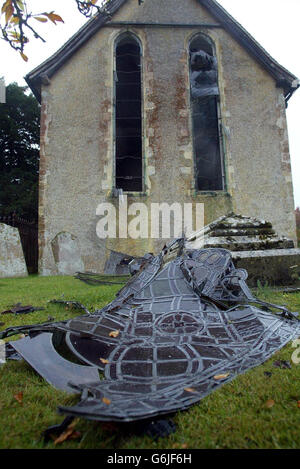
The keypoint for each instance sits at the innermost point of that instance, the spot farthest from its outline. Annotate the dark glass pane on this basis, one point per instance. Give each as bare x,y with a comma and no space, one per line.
129,146
128,109
204,96
128,91
128,116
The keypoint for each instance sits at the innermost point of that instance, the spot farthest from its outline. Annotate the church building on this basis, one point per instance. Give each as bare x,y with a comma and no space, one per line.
162,102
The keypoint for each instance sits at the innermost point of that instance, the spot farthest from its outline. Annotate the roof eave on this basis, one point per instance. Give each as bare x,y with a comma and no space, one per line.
283,78
53,63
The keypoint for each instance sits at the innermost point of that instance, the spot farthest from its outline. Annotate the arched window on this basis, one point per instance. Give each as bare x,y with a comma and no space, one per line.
209,172
128,114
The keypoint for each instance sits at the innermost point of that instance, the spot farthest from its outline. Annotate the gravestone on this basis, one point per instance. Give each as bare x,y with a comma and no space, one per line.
12,261
66,254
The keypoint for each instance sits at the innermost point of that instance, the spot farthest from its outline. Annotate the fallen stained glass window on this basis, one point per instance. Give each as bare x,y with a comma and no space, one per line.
183,325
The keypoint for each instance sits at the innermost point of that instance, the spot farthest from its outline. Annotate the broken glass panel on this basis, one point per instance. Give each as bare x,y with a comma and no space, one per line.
205,116
173,334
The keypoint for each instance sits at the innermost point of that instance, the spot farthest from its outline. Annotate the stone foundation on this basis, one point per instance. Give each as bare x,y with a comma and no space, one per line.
272,267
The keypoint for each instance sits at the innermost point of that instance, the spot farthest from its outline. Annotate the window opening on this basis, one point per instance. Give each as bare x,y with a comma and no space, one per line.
128,116
209,172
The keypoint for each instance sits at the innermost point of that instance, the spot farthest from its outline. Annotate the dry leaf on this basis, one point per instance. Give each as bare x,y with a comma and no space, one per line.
4,7
190,389
298,404
114,333
184,446
19,397
224,376
75,435
105,362
9,10
24,57
64,436
14,20
270,403
41,19
69,434
106,401
53,17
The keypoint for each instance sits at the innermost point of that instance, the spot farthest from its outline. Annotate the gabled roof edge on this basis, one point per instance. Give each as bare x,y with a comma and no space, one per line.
284,79
53,63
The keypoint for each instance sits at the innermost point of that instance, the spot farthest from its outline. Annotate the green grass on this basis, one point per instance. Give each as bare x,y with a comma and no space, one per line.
235,416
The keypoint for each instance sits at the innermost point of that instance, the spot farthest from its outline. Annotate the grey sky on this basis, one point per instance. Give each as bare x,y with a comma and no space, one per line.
273,23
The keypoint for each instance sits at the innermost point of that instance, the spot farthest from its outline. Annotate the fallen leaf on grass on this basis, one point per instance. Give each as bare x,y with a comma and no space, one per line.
270,403
224,376
283,364
75,435
105,362
19,397
184,446
63,437
114,333
106,401
69,434
190,389
298,404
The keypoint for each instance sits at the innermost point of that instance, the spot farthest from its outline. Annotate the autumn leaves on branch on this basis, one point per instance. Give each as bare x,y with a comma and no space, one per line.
18,23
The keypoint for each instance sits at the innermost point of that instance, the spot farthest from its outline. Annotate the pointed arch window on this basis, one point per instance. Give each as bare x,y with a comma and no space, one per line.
128,114
207,138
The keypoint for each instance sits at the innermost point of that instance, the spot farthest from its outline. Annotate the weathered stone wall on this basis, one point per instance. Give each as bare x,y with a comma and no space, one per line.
77,134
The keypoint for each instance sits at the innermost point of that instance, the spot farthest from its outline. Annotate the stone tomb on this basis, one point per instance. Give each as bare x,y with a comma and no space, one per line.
255,246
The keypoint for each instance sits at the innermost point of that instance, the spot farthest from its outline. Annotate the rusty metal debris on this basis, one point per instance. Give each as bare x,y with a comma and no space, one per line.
91,278
19,309
11,354
180,328
283,364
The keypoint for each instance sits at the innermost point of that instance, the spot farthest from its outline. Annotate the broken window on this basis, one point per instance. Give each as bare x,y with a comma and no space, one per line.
209,172
128,115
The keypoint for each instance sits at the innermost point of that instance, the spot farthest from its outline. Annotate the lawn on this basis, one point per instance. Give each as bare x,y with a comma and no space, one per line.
235,416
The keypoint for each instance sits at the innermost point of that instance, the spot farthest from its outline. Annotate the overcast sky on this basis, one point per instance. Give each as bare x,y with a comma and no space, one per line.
273,23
